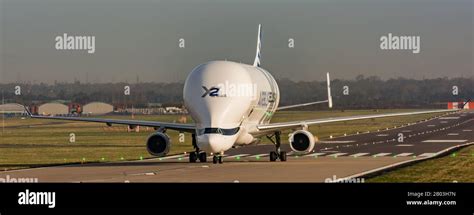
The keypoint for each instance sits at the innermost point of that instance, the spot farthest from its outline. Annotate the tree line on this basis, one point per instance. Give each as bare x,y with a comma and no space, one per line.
362,92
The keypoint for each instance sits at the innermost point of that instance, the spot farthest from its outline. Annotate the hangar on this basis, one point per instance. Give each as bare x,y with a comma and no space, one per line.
12,108
53,109
97,108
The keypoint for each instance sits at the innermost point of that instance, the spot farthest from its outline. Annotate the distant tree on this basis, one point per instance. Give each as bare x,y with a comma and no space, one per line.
365,92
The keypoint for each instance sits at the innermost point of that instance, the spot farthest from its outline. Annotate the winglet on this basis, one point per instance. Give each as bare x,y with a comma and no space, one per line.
27,111
465,103
329,90
258,55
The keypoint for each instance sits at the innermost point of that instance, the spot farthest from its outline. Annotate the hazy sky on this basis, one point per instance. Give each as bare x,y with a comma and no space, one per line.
140,37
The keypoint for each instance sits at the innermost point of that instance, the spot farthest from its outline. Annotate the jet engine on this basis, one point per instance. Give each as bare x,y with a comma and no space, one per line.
158,144
302,141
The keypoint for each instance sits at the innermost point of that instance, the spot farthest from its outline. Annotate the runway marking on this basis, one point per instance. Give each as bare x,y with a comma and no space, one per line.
406,131
171,157
382,135
453,134
239,155
403,155
314,155
337,141
467,130
444,141
143,173
381,154
295,154
431,125
426,154
336,154
332,151
259,155
449,117
404,145
359,155
443,122
210,157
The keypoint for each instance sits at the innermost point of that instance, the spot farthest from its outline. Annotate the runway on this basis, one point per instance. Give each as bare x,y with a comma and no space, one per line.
337,157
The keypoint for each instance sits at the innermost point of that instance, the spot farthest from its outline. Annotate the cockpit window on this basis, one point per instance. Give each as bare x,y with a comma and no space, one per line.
223,131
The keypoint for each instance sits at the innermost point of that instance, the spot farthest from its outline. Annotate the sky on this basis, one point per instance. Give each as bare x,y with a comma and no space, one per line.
139,39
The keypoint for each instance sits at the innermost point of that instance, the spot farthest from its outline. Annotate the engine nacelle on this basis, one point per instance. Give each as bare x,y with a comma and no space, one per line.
158,144
302,141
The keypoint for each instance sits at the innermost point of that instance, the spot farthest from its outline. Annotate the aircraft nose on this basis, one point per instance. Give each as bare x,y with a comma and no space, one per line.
215,143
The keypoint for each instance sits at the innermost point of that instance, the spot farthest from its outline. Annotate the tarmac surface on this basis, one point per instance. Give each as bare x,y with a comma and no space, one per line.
331,159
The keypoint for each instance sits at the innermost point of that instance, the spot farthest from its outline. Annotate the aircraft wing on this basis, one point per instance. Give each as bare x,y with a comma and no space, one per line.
271,127
166,125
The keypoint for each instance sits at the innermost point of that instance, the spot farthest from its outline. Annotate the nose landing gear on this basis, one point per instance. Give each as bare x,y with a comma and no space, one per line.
217,159
194,156
277,154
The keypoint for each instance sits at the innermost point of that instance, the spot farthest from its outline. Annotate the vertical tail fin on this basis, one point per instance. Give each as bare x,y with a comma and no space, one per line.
328,80
256,62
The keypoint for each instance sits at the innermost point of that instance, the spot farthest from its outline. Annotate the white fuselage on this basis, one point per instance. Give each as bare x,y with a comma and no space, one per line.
227,100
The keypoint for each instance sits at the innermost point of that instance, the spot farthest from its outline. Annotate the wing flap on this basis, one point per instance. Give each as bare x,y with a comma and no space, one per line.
173,126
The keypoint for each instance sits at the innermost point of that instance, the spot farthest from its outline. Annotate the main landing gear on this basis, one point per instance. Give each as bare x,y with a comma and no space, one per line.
277,154
194,156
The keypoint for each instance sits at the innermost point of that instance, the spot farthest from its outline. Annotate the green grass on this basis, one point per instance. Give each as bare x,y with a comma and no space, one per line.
458,166
24,143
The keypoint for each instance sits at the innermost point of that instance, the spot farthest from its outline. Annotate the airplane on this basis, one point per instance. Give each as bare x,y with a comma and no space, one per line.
232,104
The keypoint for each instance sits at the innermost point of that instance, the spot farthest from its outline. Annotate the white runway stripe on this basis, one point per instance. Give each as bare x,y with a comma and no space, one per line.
296,154
172,157
467,130
382,135
450,117
404,145
330,151
336,154
211,156
426,154
315,155
336,141
359,155
453,134
444,141
239,155
403,154
381,154
259,155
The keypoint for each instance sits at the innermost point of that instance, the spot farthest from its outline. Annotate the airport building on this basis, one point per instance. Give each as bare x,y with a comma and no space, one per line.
97,108
458,105
12,109
53,109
